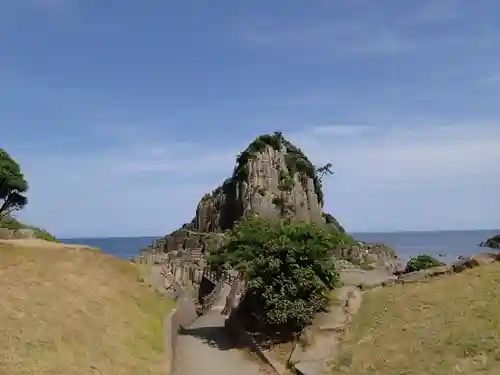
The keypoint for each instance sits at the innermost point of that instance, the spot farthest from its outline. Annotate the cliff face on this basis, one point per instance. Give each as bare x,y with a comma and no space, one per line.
370,256
267,187
272,178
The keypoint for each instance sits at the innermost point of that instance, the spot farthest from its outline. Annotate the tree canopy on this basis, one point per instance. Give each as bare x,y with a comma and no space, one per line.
323,171
13,186
288,268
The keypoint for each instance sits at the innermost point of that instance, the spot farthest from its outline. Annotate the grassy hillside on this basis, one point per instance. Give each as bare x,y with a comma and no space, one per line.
445,326
14,224
70,310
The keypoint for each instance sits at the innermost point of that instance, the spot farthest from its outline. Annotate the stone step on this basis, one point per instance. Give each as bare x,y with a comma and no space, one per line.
197,251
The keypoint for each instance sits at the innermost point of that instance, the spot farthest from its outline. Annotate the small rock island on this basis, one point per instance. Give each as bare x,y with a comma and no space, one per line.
493,242
276,180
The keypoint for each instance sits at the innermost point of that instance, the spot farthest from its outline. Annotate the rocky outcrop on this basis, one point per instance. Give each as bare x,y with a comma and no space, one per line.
272,178
493,242
266,181
370,256
461,265
188,237
17,234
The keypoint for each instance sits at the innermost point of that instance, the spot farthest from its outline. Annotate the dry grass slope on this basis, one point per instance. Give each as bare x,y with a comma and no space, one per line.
444,326
72,310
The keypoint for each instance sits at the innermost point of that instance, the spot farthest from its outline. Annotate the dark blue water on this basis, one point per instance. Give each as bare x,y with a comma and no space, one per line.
124,247
446,245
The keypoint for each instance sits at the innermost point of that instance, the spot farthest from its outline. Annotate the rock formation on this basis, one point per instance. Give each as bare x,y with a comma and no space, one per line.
274,179
493,242
370,257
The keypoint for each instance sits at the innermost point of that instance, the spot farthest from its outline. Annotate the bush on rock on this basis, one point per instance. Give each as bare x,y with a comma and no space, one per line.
422,262
288,268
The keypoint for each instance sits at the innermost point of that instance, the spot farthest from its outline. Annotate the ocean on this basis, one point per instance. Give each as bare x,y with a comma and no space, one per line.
444,245
122,247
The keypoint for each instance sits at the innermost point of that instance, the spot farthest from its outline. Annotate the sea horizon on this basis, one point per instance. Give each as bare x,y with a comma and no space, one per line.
447,245
351,233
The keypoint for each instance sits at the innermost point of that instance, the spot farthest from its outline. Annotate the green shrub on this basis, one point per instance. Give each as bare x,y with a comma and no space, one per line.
288,267
422,262
43,234
13,186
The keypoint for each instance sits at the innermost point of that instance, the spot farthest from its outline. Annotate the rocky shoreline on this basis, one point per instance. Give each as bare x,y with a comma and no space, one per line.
493,242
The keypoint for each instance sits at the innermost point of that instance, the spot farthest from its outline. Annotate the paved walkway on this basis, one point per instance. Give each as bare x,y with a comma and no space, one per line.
204,348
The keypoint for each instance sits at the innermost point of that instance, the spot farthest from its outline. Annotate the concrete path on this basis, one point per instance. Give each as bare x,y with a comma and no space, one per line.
366,279
204,348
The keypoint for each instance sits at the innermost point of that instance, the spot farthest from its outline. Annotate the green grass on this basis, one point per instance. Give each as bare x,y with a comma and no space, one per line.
443,326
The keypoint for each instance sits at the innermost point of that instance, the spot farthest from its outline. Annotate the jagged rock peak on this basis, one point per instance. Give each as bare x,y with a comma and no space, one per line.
272,178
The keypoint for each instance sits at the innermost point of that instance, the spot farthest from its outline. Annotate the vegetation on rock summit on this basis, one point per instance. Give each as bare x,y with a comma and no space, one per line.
296,161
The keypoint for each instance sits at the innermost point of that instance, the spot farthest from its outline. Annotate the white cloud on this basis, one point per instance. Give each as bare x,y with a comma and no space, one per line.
418,153
132,188
427,177
387,178
491,80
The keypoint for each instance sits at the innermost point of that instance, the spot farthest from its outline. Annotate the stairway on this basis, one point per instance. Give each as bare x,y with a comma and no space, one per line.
197,256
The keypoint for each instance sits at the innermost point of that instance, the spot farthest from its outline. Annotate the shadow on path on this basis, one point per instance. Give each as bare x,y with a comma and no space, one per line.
215,337
207,348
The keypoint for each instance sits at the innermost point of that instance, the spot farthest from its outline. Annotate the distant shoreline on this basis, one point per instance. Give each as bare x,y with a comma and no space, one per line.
351,233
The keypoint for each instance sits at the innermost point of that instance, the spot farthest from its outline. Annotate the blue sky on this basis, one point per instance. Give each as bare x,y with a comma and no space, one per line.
124,113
